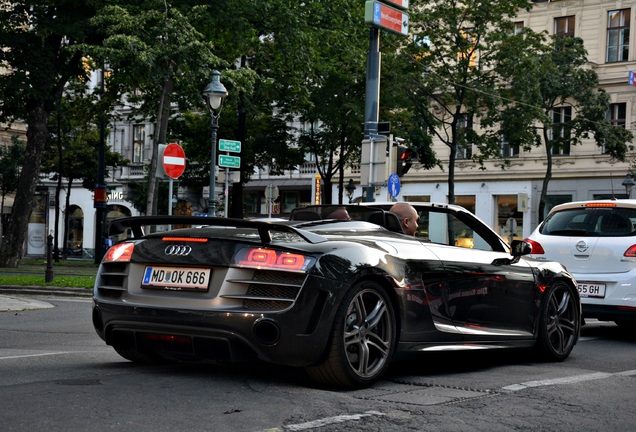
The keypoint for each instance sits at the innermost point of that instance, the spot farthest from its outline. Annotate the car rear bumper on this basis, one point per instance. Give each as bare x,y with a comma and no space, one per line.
619,302
609,312
285,338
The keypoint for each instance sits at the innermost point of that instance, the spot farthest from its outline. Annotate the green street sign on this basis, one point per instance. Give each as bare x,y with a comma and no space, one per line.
229,161
230,146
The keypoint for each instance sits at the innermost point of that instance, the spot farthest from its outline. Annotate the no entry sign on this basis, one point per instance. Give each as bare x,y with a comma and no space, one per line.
174,160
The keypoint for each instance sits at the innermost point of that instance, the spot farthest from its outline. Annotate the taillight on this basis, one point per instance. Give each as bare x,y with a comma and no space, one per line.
272,259
630,252
537,249
121,252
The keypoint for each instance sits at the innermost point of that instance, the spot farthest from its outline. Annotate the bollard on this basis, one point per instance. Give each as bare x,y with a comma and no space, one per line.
48,274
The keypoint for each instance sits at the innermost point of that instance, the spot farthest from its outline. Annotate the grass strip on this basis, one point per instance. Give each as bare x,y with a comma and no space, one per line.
58,281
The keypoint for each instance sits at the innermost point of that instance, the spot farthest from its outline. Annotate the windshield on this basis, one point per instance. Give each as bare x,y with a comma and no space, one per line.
591,222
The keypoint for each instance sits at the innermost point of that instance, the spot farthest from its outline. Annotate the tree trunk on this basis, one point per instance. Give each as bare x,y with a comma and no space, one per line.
15,233
159,137
67,204
547,177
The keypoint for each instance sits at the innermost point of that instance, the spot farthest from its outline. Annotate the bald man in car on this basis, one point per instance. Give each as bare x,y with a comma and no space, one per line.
407,215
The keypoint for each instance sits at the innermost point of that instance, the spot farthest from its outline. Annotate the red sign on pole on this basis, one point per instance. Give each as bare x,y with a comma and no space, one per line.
174,161
380,15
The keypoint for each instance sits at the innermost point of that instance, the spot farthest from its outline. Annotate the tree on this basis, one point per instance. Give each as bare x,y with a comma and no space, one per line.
42,47
72,153
11,161
450,78
320,56
157,58
555,102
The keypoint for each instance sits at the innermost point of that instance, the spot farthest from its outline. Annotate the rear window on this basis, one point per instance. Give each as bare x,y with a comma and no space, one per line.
591,222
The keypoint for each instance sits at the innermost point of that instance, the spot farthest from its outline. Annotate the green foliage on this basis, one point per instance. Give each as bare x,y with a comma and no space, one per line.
138,191
73,145
547,74
449,73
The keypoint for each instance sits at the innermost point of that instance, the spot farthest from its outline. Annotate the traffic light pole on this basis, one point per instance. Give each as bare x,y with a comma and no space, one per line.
372,103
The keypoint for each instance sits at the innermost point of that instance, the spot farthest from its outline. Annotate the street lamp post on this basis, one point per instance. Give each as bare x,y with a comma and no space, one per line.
629,184
214,94
351,188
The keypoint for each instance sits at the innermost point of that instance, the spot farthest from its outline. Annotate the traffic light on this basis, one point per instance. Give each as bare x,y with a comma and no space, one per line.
404,156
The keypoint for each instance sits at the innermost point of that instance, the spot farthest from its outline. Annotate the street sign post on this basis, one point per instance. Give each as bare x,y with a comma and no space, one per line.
230,146
173,160
387,18
174,163
229,161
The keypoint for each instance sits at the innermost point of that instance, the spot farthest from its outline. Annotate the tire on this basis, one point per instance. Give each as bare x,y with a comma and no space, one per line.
559,322
362,341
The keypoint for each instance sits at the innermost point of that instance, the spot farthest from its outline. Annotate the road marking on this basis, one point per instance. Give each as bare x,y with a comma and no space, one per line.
325,422
566,380
40,355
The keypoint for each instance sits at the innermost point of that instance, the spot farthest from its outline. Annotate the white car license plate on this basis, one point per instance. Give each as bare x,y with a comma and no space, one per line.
591,289
177,279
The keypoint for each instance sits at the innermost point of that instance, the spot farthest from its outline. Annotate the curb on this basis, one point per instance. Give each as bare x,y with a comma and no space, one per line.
42,290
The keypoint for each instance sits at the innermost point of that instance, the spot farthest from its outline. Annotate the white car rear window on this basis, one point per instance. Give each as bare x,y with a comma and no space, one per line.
591,222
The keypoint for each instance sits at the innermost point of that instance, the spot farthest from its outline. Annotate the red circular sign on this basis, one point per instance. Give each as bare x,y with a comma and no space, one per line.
174,161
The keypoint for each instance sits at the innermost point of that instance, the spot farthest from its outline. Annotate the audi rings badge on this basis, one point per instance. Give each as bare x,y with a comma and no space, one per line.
178,250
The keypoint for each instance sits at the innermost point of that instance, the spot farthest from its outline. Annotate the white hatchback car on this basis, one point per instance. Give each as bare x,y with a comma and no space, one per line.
596,241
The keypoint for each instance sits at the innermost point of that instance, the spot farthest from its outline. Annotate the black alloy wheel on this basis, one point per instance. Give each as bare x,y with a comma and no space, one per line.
363,339
559,322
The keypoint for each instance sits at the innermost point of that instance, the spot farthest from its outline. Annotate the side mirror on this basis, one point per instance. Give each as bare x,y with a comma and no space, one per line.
519,248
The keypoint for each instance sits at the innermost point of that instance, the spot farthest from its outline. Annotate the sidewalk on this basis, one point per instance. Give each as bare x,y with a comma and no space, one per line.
19,297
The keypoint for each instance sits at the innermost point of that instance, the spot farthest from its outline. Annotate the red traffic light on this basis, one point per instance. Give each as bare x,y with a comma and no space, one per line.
404,156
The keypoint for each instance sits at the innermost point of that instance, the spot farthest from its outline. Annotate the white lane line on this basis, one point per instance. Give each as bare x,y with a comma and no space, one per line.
40,355
329,421
566,380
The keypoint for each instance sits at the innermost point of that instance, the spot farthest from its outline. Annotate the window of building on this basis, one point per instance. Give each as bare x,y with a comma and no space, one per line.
618,35
464,150
466,201
417,198
518,27
554,200
508,150
468,49
75,232
509,218
616,115
139,140
564,26
290,201
561,117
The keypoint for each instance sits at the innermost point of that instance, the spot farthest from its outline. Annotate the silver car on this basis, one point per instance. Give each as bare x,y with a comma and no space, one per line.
596,241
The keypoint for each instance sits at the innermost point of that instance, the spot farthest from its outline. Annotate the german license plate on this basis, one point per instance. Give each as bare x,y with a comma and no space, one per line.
176,279
591,289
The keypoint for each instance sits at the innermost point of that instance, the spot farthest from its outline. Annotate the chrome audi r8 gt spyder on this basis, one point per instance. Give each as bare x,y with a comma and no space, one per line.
336,297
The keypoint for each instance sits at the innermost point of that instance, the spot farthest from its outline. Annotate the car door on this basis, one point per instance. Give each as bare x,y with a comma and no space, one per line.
485,293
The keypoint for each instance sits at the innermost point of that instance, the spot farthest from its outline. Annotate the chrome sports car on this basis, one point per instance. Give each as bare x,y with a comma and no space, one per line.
336,297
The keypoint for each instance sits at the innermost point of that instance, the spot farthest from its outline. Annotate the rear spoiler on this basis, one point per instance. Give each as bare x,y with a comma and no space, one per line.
136,224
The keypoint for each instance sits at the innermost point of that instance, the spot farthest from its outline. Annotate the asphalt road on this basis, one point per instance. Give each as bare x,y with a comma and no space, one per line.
57,375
